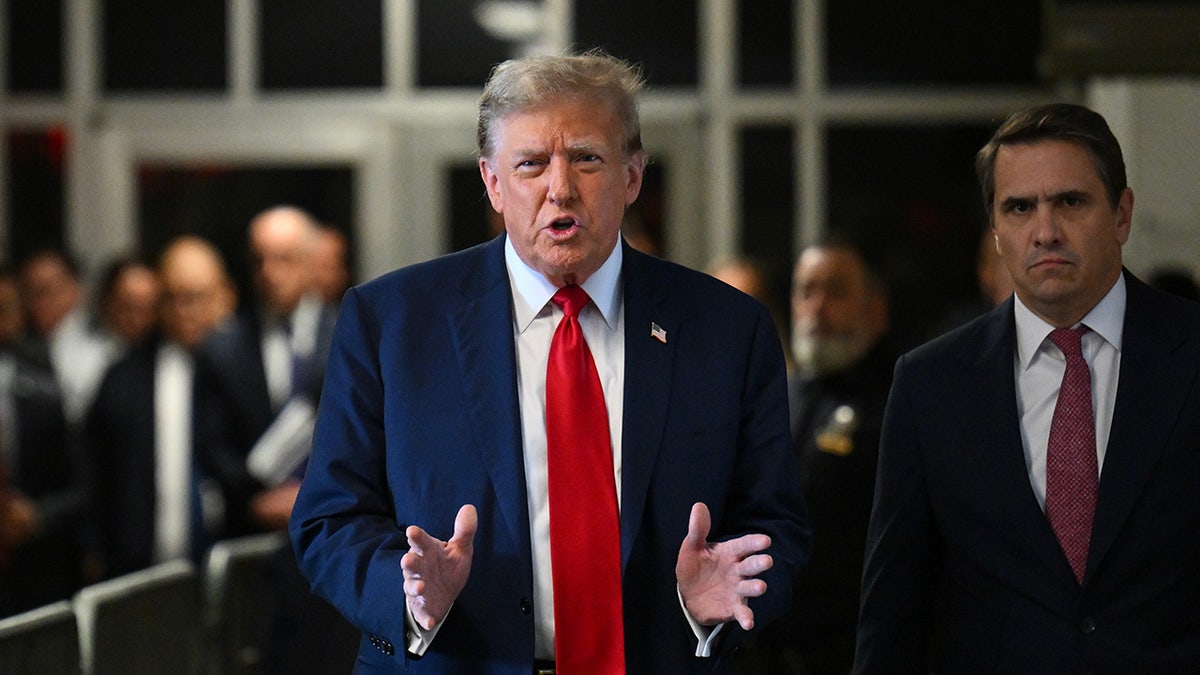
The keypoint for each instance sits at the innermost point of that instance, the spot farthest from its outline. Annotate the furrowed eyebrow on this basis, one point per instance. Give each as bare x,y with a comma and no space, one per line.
1069,194
1010,202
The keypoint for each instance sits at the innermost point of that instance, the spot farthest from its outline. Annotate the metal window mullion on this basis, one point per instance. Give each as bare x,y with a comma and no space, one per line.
399,46
718,47
243,54
811,169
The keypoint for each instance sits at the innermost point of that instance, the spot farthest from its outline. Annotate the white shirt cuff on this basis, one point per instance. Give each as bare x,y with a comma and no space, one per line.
706,636
419,639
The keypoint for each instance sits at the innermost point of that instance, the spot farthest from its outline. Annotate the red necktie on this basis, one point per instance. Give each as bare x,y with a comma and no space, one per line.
1071,474
585,537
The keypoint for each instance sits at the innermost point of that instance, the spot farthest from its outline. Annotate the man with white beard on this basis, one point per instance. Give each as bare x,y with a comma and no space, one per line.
843,370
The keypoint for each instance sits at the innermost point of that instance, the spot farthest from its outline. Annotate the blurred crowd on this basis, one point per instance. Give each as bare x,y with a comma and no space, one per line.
146,418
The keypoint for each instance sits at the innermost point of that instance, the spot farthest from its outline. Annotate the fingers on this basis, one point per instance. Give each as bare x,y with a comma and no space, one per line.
744,616
746,545
465,524
699,524
755,565
419,540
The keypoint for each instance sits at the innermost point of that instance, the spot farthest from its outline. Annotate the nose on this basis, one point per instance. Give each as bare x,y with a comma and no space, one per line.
561,186
1046,230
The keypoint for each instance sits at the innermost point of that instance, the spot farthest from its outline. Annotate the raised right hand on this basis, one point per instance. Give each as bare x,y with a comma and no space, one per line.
435,571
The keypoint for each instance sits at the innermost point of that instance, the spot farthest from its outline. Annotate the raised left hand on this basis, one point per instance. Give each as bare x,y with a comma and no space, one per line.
717,579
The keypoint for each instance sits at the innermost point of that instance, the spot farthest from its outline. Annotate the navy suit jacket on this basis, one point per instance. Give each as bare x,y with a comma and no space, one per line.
119,437
955,514
420,415
233,406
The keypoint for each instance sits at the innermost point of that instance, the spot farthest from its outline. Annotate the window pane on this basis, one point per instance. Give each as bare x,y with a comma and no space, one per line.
36,165
321,44
217,202
768,204
910,195
472,220
765,37
168,46
933,42
35,46
453,50
660,35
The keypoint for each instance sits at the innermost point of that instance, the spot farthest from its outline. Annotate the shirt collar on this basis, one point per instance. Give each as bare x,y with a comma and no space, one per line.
531,291
1106,319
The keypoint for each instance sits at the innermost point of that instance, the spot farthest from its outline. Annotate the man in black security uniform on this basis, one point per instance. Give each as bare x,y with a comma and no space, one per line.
838,391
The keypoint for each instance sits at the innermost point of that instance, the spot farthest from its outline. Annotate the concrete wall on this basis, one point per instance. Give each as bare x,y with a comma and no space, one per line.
1158,125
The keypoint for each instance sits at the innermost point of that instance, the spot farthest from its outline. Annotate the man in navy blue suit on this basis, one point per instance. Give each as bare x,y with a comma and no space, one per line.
424,515
1043,551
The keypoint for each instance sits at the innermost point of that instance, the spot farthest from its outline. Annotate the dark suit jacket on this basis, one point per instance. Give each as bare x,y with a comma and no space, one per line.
233,406
47,567
119,437
120,441
420,416
955,514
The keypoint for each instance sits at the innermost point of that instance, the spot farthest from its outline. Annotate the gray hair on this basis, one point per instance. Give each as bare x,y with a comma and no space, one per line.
522,84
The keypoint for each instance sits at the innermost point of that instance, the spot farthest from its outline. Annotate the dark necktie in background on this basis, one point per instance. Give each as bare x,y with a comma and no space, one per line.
585,537
1071,468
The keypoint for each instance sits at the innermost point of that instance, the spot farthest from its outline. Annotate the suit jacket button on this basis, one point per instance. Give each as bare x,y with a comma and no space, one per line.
1087,626
526,606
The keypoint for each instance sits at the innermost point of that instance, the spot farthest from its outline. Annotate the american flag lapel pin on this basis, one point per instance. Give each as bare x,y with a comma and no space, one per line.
657,332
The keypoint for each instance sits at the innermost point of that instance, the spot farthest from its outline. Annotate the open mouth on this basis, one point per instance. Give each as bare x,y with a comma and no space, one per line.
563,224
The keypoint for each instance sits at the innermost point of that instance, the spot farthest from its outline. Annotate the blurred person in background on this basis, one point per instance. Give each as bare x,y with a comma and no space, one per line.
152,501
838,391
993,281
258,381
55,299
41,494
330,264
1176,281
128,302
749,276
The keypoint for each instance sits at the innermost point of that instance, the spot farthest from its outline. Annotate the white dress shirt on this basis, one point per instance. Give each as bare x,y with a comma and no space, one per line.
79,356
535,319
1039,366
286,340
173,374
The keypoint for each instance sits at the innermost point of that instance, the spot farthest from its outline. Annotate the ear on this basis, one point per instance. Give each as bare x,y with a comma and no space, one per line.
1124,215
491,182
635,168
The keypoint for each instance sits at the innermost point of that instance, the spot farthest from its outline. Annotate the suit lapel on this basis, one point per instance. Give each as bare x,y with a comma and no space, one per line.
648,366
1000,459
1145,411
481,324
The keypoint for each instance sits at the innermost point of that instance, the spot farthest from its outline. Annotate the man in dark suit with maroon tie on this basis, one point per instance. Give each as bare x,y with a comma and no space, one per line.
1038,467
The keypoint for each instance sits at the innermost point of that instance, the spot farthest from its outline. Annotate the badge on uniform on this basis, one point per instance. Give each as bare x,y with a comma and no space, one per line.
837,436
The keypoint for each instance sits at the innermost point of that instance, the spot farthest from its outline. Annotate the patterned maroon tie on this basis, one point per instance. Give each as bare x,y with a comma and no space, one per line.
585,537
1071,474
